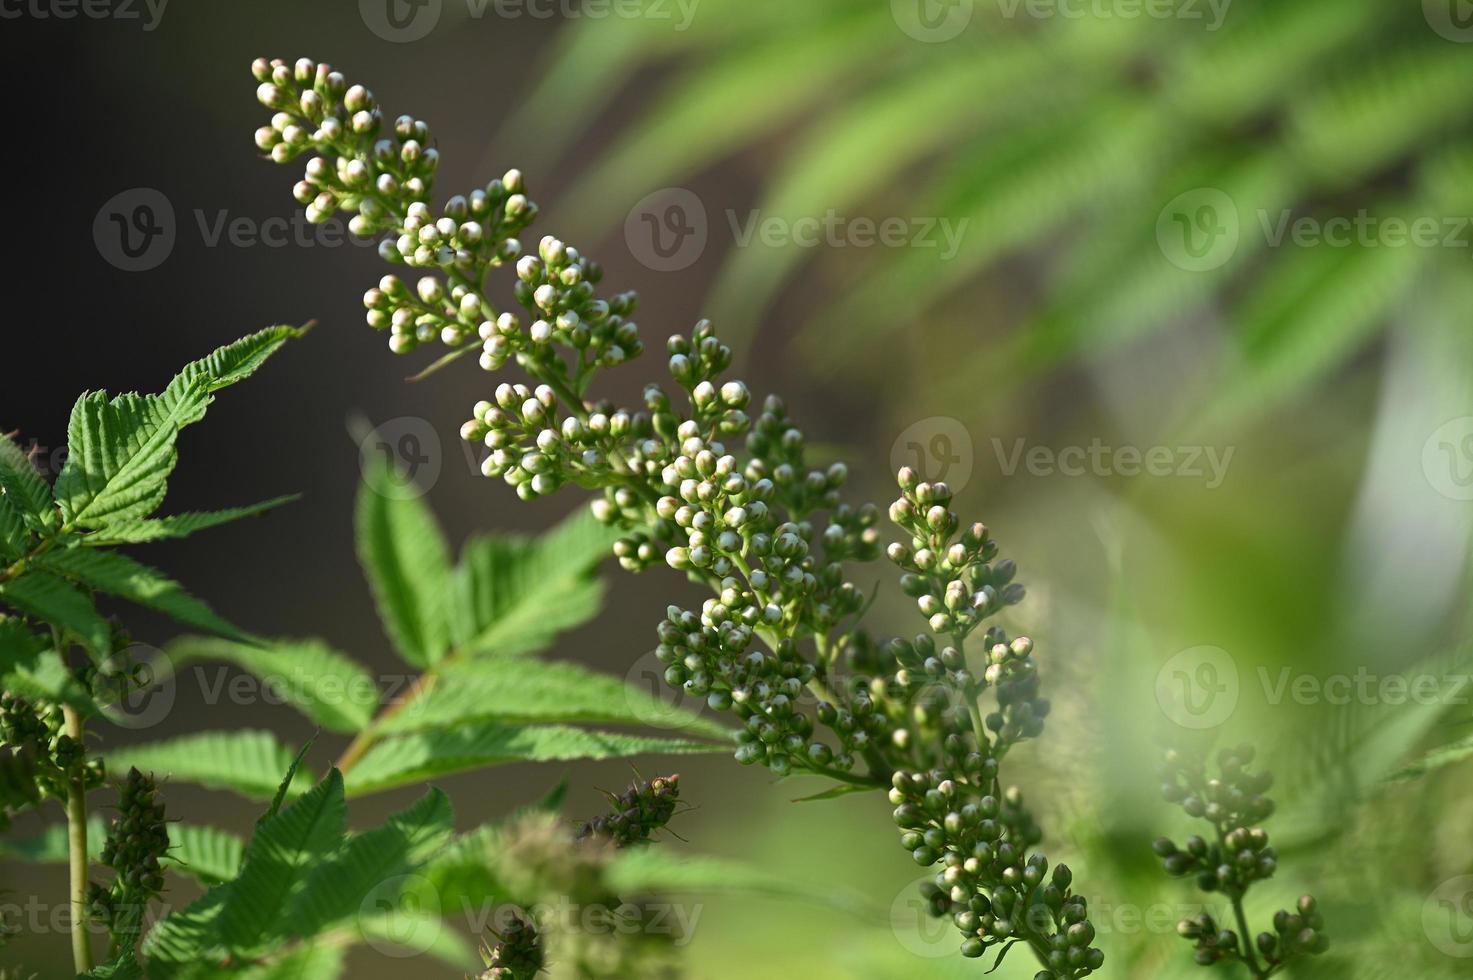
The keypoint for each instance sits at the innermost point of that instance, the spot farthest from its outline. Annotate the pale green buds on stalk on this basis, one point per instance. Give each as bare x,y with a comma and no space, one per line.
705,480
1237,856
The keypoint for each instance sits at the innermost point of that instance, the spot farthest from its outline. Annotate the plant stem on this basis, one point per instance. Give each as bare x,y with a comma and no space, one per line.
1247,939
76,813
365,739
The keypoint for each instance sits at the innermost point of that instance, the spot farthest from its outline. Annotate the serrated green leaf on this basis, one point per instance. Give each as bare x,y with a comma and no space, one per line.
51,599
280,857
323,961
404,759
46,676
509,689
418,932
125,967
19,645
327,686
404,556
145,530
462,875
120,454
121,450
121,576
25,488
249,762
234,922
187,944
208,854
515,594
228,365
15,536
365,875
288,781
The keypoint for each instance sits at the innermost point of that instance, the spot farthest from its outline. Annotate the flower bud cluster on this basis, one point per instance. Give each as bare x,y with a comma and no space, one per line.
33,732
953,812
136,844
637,813
1240,855
517,954
1234,804
712,486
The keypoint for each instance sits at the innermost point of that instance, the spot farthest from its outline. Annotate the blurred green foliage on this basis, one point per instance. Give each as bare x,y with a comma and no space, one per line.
1077,137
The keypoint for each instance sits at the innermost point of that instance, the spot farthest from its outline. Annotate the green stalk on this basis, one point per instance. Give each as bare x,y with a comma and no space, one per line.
76,814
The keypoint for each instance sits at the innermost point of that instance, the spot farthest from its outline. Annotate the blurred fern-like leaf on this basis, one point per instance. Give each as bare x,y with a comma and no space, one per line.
1059,139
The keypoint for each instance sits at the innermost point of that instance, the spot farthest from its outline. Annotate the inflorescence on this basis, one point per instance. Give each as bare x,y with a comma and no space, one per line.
1236,857
694,481
136,843
637,813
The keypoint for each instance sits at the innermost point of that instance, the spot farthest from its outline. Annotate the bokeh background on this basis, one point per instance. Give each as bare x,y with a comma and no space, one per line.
1176,293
